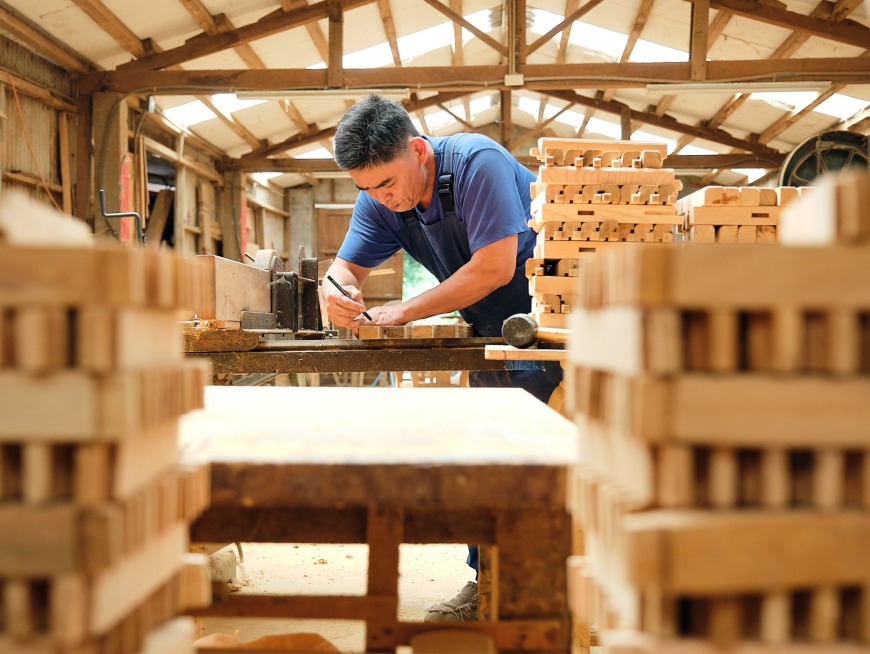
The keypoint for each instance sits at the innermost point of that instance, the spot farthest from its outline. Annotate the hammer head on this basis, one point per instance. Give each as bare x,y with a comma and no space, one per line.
520,330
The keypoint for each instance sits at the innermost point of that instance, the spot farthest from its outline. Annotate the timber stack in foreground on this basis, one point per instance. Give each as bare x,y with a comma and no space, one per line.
94,506
721,396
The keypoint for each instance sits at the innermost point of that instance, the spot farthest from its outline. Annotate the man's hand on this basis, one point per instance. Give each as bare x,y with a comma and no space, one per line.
344,311
388,315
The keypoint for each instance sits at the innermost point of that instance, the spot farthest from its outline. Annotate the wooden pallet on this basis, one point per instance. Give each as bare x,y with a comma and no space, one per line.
553,267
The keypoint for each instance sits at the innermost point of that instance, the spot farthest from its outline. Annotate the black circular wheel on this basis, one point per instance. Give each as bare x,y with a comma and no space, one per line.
827,152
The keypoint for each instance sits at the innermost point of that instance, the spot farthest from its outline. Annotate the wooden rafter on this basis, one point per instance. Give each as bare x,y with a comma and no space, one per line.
564,39
481,78
202,45
112,25
846,31
567,22
314,32
227,119
390,30
457,18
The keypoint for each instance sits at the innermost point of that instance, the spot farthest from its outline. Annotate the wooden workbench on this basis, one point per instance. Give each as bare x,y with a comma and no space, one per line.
352,355
468,465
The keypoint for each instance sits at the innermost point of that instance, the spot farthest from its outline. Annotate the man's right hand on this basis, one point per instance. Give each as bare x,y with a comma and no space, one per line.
343,311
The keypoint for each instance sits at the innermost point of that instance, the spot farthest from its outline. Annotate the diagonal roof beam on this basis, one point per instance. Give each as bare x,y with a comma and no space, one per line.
456,18
666,122
390,30
112,25
566,23
846,31
203,44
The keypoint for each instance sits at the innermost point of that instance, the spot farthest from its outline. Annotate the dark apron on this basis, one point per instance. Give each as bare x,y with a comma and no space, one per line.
442,248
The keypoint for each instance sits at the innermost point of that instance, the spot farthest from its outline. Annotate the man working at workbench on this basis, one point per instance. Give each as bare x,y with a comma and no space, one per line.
460,206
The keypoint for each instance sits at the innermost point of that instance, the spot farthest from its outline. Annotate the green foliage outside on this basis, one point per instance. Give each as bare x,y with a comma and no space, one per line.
416,279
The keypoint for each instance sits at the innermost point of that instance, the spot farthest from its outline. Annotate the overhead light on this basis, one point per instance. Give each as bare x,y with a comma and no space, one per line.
332,94
736,87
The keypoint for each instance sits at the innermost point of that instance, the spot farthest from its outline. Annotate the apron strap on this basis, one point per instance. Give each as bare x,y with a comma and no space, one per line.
445,179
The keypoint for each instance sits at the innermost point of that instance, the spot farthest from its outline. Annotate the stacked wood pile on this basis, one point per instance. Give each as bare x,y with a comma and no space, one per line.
94,505
745,214
588,196
721,398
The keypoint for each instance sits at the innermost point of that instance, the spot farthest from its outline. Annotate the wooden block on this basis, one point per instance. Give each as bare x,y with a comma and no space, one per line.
702,234
93,473
18,604
651,159
675,469
698,552
787,339
824,614
726,234
195,586
750,196
236,287
843,343
747,234
723,478
828,475
37,475
786,195
775,618
41,338
775,478
67,608
368,332
767,197
723,334
725,627
119,589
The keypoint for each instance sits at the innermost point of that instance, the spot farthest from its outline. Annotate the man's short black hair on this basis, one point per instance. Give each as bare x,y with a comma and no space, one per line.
374,131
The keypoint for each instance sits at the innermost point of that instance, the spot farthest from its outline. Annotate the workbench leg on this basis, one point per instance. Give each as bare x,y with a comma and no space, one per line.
384,534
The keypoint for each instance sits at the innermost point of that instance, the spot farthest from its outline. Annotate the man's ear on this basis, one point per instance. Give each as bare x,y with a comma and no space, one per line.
418,147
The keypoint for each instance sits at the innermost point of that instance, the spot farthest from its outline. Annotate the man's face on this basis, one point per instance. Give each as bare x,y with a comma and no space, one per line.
400,184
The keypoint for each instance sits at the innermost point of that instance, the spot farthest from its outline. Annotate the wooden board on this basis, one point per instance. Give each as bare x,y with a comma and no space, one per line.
742,410
74,406
620,176
633,214
736,215
708,553
235,287
728,277
510,353
546,142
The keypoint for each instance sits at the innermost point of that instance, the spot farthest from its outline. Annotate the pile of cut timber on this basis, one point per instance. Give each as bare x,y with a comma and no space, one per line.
721,398
588,196
724,214
94,504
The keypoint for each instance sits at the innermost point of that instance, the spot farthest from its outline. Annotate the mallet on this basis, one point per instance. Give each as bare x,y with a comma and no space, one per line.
522,331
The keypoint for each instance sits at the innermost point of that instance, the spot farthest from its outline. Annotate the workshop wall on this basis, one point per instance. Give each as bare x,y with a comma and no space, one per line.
46,118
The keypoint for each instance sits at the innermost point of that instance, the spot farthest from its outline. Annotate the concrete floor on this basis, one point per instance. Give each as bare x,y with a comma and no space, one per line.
428,574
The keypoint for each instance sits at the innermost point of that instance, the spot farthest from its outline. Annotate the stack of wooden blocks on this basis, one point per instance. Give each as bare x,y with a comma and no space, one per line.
588,196
94,505
721,396
730,214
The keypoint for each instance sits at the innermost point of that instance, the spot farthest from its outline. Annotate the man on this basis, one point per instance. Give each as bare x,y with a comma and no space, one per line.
477,248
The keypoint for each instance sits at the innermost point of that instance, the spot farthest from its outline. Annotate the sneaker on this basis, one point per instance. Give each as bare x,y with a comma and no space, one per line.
461,608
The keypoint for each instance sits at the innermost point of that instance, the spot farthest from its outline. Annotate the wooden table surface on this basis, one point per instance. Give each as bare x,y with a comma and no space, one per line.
386,466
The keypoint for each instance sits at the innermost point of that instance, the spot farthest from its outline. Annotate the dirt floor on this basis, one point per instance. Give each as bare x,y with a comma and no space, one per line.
428,574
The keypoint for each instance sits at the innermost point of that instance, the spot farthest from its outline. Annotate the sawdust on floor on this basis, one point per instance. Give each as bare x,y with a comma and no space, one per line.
428,574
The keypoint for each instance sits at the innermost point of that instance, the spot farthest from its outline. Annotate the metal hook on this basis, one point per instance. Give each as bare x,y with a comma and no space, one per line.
139,230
